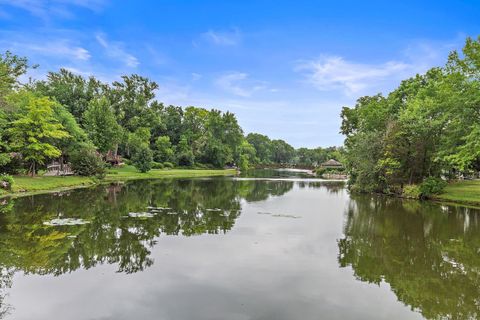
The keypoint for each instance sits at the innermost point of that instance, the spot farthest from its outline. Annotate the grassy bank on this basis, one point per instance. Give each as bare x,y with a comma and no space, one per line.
25,185
466,192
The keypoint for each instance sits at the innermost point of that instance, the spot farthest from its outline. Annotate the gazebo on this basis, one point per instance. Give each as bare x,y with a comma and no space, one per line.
331,164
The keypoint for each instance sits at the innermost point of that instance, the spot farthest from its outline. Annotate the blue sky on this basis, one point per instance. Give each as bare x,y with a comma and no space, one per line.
285,68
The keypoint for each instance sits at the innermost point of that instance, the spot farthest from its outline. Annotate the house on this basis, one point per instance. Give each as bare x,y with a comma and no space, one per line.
332,164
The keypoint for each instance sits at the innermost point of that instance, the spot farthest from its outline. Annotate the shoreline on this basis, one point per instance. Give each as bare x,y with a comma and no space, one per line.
465,193
28,186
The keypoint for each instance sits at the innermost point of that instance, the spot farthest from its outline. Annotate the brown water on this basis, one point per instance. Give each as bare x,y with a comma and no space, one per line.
233,248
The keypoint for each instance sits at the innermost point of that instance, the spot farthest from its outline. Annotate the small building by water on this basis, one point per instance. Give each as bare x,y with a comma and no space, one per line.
332,164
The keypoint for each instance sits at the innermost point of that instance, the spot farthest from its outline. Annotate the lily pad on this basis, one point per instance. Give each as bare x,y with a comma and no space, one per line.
285,216
141,215
65,222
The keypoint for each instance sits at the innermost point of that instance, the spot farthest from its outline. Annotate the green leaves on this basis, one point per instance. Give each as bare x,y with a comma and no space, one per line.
426,127
101,125
34,130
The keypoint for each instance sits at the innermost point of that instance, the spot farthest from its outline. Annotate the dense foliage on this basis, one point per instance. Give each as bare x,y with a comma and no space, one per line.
58,118
87,162
279,152
428,127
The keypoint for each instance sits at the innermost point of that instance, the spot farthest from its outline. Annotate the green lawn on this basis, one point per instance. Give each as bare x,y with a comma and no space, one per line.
29,185
467,191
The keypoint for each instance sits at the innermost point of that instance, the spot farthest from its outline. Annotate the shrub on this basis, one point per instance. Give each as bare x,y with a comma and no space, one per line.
128,162
157,165
185,159
87,162
411,191
6,182
431,186
168,165
142,158
320,171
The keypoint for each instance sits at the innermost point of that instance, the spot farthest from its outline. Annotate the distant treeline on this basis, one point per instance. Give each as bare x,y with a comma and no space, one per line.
71,118
279,152
426,129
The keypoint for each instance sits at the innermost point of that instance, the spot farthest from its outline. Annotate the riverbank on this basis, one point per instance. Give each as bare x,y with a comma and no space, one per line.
463,192
26,185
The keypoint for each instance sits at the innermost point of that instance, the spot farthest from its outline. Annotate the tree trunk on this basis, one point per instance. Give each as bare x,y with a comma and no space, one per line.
32,169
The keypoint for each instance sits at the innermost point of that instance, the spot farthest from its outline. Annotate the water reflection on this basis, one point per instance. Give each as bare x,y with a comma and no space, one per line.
111,235
428,254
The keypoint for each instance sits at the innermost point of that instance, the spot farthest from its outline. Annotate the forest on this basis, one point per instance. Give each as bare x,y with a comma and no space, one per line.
82,121
423,133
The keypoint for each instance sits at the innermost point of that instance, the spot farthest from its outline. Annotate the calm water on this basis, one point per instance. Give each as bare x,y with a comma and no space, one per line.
236,248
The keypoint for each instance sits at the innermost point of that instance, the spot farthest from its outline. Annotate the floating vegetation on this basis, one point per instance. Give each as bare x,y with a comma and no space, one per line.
158,208
65,222
141,214
214,209
285,216
260,212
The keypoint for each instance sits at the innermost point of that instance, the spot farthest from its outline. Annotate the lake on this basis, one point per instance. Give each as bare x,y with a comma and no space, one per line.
273,245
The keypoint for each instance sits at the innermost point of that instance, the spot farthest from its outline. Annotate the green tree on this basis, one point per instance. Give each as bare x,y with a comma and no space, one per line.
142,158
139,138
184,153
245,155
163,149
72,91
131,99
101,125
262,145
35,129
281,152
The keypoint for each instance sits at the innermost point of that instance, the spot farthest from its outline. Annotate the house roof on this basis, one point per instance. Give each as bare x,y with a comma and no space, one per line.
332,162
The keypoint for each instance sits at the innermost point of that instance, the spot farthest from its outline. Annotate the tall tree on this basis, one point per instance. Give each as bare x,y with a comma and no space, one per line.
72,91
35,128
101,125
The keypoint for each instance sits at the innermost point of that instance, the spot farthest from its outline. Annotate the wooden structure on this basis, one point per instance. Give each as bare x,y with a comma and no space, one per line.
58,169
113,159
332,164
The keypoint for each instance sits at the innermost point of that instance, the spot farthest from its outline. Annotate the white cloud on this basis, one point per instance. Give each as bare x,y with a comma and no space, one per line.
223,38
45,9
196,76
333,72
115,50
238,84
58,47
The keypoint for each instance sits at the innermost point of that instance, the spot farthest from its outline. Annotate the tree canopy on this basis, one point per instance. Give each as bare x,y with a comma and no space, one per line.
66,114
427,127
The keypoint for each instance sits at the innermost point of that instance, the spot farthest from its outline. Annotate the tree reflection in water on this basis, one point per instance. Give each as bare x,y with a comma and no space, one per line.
427,253
198,206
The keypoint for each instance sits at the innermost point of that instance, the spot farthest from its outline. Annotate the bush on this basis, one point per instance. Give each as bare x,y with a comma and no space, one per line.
6,182
87,162
142,158
411,191
431,186
157,165
185,159
320,171
128,162
168,165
